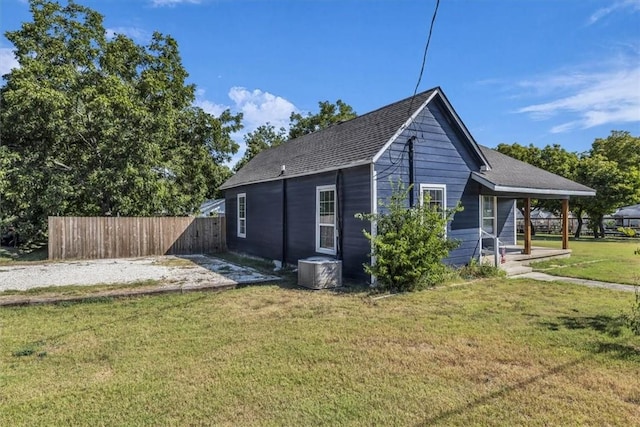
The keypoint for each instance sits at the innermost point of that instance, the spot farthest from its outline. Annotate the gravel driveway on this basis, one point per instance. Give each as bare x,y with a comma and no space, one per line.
190,270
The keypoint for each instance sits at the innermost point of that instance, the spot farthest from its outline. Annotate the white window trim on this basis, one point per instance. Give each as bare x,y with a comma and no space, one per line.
238,197
495,213
515,222
442,187
319,189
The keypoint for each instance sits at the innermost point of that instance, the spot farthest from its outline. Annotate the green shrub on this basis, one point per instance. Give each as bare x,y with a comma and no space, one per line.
627,231
409,243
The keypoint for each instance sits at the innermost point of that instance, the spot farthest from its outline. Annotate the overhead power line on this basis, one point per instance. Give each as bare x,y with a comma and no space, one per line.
426,49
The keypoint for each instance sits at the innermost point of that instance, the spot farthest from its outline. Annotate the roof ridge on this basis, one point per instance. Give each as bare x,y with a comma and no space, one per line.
346,143
362,117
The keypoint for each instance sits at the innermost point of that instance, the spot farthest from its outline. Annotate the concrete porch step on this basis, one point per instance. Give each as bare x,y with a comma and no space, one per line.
514,268
539,254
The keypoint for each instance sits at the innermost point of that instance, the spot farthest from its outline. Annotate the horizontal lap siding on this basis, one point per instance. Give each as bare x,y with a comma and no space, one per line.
440,157
506,224
354,195
301,215
264,220
464,227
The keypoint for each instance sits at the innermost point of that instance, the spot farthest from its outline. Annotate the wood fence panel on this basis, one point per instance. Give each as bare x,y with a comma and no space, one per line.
128,237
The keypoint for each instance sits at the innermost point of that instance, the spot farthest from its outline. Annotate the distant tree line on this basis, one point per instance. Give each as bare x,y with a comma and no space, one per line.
611,167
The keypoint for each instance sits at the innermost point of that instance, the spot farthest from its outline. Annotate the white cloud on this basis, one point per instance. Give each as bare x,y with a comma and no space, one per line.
137,34
259,107
632,5
587,99
211,107
171,3
8,60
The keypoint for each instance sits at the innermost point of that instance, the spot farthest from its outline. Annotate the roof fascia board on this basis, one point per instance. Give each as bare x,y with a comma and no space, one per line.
297,175
464,129
404,126
542,191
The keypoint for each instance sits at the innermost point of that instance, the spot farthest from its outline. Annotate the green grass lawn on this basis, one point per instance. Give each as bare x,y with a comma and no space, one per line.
494,352
608,260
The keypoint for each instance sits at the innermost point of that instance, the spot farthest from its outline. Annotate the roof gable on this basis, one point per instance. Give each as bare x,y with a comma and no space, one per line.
351,143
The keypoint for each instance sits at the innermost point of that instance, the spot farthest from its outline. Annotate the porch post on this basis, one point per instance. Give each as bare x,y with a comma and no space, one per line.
565,224
527,226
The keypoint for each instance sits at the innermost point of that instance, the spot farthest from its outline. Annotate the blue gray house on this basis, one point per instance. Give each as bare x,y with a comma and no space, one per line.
299,199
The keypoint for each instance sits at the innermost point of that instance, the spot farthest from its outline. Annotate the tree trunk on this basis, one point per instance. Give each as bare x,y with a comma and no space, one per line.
597,226
579,228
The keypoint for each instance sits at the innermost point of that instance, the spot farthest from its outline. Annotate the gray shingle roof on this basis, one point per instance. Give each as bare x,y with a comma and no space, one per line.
346,144
632,211
357,141
510,175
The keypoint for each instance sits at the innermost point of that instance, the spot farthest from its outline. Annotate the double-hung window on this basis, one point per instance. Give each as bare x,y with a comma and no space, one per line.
326,219
488,214
242,215
435,195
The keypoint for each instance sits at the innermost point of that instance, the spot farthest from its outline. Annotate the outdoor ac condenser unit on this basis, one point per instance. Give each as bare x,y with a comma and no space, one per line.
319,273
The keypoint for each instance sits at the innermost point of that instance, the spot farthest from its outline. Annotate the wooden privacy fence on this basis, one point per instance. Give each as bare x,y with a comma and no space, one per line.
124,237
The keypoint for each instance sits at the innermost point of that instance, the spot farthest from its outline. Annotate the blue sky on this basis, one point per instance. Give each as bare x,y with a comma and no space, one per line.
527,71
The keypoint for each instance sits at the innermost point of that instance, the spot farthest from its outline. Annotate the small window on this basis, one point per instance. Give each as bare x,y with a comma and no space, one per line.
434,195
488,214
326,219
242,215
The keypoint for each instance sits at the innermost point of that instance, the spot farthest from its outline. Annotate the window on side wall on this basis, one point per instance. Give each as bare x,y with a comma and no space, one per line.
242,215
435,195
488,214
326,219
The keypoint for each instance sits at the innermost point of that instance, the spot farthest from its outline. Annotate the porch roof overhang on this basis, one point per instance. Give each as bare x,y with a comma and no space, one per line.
512,178
540,191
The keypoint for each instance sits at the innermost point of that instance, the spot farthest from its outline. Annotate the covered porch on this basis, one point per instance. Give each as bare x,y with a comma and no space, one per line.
499,251
511,179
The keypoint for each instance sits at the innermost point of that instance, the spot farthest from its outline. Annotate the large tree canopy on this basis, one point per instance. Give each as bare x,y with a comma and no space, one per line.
328,115
611,167
265,136
98,126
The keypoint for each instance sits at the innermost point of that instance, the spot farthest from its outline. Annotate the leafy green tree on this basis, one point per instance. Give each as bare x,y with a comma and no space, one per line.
611,167
622,148
96,127
613,170
552,158
328,115
265,136
525,153
409,244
